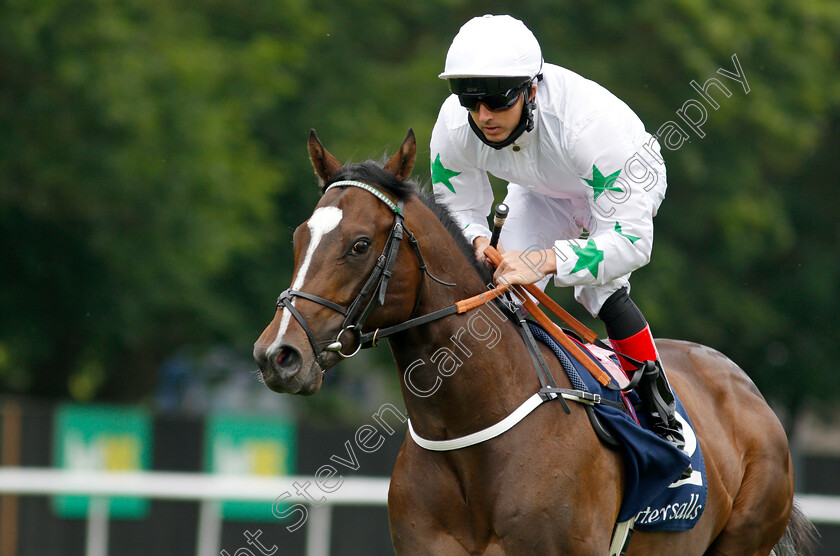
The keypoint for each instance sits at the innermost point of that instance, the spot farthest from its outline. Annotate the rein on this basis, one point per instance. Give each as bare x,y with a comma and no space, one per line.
356,314
375,288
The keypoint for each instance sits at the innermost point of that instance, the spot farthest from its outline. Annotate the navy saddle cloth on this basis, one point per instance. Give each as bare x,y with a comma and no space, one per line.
654,494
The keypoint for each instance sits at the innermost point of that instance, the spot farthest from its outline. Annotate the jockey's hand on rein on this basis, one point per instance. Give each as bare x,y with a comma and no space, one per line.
480,244
525,267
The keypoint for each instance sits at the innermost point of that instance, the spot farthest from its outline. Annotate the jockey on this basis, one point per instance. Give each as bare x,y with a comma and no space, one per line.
585,181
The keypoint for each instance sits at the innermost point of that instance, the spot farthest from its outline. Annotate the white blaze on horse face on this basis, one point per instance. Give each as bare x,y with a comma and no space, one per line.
323,221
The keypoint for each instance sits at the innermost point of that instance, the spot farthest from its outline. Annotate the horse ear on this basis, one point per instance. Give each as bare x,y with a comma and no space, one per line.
325,164
401,163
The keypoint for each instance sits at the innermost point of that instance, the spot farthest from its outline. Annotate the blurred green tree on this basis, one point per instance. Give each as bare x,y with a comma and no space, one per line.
153,165
130,180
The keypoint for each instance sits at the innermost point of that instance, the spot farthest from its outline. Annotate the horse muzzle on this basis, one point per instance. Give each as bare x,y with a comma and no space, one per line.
285,369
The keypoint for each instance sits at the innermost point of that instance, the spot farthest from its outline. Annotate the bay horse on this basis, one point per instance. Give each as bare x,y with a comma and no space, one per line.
548,485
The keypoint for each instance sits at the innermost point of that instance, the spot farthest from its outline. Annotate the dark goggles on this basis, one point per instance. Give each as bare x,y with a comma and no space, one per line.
497,93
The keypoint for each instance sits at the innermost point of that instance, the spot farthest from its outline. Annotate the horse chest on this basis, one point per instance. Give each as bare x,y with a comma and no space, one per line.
494,506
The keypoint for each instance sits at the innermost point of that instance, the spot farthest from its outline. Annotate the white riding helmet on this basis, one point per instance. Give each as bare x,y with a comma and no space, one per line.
493,46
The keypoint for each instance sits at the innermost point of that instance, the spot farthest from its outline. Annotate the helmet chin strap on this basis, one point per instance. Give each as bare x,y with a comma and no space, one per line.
526,123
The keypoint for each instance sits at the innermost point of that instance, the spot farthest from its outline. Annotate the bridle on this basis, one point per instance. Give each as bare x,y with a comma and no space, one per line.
373,289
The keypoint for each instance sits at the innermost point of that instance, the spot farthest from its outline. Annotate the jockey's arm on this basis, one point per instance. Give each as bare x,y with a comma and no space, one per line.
622,200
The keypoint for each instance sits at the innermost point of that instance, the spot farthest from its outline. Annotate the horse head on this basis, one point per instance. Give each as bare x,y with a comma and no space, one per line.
348,255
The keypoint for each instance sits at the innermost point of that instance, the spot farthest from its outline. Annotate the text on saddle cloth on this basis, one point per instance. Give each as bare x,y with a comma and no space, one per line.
654,495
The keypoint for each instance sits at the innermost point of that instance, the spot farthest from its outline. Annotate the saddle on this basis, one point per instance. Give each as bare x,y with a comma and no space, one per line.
653,495
655,499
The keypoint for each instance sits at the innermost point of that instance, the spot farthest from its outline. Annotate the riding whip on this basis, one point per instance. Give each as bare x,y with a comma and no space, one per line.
498,221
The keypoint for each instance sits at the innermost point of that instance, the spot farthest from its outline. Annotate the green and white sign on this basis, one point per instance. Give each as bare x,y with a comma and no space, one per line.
101,438
249,446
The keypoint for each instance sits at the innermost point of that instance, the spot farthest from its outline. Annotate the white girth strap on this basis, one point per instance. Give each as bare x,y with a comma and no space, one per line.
478,437
622,532
621,537
504,425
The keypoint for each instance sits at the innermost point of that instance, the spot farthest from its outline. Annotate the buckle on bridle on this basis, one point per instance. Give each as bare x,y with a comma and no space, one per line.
336,346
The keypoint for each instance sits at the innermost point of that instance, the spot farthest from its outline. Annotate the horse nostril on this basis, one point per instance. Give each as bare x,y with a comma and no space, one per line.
287,360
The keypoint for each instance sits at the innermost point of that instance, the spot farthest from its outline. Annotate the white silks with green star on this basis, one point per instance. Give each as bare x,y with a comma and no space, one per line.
587,166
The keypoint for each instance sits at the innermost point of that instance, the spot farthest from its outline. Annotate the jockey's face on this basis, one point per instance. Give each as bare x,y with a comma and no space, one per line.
497,125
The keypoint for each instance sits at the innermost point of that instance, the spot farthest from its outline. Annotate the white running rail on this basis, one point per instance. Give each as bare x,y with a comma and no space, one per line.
210,489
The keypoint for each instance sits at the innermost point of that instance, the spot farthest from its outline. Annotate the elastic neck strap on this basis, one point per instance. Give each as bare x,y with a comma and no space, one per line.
514,135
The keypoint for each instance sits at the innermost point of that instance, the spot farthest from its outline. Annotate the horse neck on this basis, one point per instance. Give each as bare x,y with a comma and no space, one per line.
464,372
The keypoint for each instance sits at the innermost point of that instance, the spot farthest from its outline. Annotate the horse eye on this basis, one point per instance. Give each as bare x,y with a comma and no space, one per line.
360,247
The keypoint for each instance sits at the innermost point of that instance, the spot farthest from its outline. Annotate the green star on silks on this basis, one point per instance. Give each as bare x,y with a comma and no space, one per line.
589,257
599,183
443,175
633,239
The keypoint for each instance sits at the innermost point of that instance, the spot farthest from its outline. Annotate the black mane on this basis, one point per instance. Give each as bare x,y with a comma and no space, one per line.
370,172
